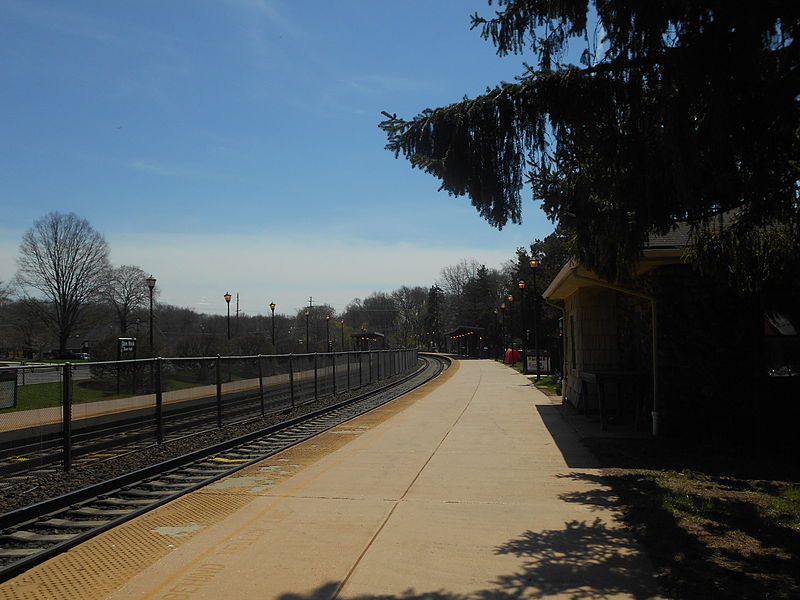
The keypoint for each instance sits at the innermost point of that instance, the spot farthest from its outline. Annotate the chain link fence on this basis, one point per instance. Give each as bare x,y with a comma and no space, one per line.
51,408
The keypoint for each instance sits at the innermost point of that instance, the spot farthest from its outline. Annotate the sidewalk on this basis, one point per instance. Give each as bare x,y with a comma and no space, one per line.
472,488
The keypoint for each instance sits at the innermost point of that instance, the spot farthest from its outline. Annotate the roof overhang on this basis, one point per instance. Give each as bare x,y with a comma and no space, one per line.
573,275
463,330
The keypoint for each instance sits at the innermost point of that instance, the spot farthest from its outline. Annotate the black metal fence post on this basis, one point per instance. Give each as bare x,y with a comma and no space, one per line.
261,382
159,404
333,366
219,391
291,378
316,376
66,397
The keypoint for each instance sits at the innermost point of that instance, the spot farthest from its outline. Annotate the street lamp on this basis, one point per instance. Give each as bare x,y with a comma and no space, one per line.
308,314
342,324
510,300
496,328
503,326
151,283
327,333
525,343
534,263
228,300
272,308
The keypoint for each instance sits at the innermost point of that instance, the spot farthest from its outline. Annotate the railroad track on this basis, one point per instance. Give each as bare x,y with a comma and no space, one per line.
33,534
36,455
38,450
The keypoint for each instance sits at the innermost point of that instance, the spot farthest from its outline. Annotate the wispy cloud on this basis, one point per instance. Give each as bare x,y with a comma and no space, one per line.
270,9
156,167
66,19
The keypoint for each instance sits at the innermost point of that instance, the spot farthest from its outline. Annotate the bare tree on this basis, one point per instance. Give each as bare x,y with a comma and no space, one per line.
66,261
23,330
453,278
127,292
410,303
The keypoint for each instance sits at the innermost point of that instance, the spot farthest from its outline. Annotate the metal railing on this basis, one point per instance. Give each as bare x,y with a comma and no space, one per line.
50,408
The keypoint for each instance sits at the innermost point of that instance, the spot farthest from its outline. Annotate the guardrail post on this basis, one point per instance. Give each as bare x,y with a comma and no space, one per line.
66,397
219,391
291,378
159,404
261,383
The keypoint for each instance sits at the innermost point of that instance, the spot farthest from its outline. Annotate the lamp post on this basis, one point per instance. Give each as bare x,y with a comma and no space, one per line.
523,316
151,283
534,263
327,333
341,322
503,328
496,324
510,301
308,314
228,301
272,308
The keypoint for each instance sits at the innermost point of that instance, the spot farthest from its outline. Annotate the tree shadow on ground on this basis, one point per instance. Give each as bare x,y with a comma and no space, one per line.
581,561
723,546
689,563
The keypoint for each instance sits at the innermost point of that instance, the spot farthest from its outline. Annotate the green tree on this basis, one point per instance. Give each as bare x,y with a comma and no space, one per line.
434,335
679,112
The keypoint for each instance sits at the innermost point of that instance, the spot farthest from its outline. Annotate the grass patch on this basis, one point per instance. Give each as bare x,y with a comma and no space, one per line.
44,395
549,385
782,509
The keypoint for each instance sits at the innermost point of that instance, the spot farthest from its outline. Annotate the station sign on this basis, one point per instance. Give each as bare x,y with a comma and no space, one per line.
544,363
127,345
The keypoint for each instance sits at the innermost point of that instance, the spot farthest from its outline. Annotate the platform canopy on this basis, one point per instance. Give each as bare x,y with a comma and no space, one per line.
464,330
371,336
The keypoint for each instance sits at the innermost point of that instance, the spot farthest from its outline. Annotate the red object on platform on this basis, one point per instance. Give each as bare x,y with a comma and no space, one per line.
511,357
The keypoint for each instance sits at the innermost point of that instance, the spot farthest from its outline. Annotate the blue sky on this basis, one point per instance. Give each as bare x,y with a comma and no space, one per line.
232,145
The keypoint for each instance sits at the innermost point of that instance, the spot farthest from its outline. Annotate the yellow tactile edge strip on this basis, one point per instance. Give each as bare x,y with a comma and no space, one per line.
96,568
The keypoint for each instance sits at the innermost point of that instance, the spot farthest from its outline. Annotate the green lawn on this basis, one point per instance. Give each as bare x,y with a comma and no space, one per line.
43,395
549,384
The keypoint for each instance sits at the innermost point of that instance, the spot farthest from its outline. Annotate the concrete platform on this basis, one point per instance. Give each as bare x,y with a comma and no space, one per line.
473,487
